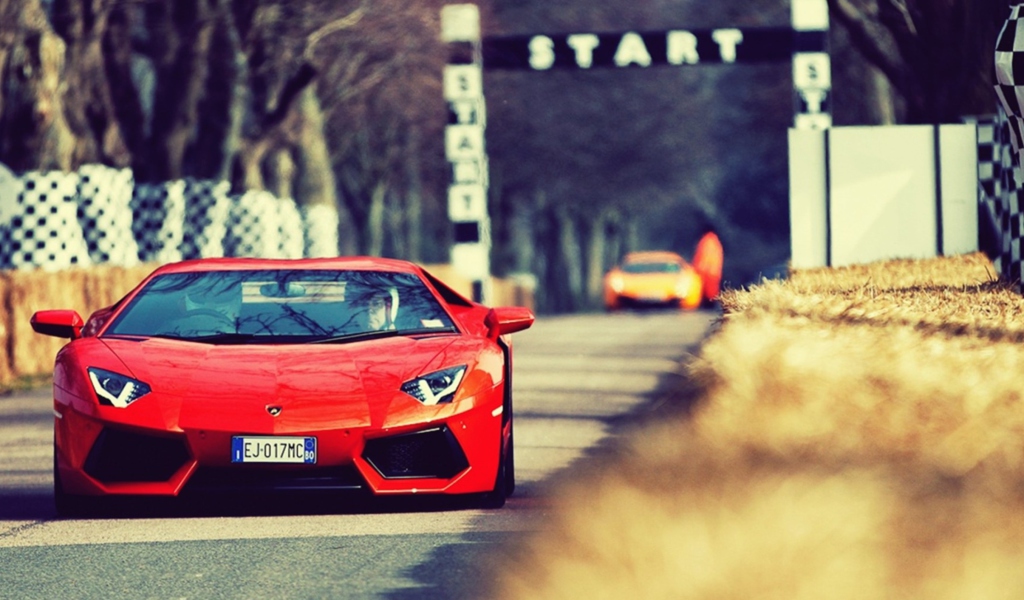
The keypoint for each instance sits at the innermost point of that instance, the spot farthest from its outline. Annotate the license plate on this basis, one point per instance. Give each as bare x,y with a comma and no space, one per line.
273,449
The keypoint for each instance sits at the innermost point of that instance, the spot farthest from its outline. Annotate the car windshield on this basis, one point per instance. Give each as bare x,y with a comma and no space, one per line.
652,267
281,306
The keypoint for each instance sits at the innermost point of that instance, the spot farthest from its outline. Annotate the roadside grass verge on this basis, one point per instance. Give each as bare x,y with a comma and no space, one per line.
858,433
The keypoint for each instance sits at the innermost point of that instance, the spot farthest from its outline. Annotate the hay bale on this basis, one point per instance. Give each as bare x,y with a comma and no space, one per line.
31,291
84,290
447,274
6,374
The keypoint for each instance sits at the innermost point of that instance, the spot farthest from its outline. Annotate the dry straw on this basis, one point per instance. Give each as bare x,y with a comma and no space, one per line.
859,434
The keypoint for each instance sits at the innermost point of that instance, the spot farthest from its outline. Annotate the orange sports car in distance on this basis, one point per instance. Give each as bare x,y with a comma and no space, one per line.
653,278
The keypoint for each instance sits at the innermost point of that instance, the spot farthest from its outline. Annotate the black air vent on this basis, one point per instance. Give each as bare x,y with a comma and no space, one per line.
432,453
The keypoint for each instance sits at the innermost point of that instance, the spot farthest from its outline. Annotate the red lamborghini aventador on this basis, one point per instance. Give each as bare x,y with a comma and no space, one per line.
251,375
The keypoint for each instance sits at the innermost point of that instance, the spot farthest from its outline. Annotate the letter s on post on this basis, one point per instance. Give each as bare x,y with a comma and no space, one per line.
542,52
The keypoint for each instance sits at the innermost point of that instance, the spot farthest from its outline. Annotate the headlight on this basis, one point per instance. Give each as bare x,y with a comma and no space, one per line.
436,388
116,389
684,285
616,282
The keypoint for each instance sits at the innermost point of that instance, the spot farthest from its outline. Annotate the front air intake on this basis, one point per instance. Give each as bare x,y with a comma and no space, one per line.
122,456
431,453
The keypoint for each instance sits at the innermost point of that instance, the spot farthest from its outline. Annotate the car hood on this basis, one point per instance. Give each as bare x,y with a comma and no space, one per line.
315,386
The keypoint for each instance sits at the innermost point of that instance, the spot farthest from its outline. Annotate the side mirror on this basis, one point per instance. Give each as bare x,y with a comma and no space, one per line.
507,319
58,323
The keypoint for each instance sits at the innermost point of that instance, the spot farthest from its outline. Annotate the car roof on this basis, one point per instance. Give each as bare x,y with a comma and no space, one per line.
652,256
360,263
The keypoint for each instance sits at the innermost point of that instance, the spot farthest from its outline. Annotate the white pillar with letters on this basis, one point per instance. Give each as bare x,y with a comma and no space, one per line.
464,147
812,67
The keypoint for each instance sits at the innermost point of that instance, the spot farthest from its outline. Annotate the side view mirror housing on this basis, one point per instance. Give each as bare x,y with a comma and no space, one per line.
507,319
58,323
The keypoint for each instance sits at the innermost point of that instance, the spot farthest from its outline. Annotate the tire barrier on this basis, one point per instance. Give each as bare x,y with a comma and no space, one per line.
159,213
261,225
100,215
39,226
207,207
105,214
320,222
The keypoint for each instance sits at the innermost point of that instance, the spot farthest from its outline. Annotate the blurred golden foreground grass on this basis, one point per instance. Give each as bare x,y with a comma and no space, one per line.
856,433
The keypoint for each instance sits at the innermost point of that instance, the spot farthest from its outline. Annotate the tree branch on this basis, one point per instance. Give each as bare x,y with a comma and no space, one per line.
865,36
291,90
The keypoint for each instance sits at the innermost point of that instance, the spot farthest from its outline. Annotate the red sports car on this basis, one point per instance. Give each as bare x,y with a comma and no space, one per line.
251,375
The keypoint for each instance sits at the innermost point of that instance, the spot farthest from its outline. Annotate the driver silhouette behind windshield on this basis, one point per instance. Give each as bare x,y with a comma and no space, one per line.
375,310
220,302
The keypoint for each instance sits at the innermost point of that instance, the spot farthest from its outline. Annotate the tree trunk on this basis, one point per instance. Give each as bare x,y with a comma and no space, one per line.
281,170
315,183
413,231
34,133
521,235
596,259
250,163
882,103
89,107
182,33
373,234
571,257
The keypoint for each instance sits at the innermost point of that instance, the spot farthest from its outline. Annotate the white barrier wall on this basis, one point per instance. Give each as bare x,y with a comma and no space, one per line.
863,194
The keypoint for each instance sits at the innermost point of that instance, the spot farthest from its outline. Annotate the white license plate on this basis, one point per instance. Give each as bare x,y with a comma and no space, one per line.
273,449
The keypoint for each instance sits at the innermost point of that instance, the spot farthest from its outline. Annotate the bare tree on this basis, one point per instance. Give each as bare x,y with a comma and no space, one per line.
384,116
34,133
937,54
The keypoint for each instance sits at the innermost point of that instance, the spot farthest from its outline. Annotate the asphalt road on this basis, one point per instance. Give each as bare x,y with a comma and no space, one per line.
575,378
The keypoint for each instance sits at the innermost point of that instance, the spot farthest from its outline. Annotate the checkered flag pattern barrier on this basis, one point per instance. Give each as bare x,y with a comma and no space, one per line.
39,225
1009,63
1001,222
262,225
207,206
320,222
105,213
55,220
1008,143
293,235
159,217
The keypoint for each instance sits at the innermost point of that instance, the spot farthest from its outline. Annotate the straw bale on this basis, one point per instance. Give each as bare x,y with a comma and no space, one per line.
82,289
6,373
451,277
858,431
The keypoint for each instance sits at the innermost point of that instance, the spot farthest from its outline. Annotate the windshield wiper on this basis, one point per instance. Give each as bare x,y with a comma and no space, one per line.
386,333
225,338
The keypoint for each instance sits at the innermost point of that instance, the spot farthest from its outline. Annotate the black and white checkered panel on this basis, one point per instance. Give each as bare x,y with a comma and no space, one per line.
1009,87
207,206
248,219
159,218
1009,71
988,168
40,228
105,213
263,226
291,230
1008,202
320,223
990,173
